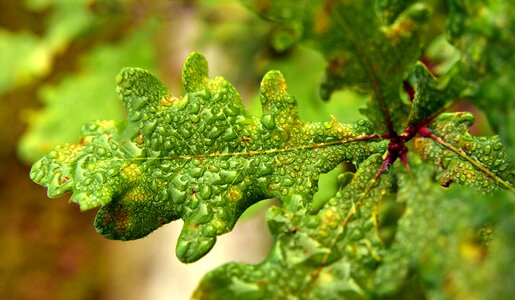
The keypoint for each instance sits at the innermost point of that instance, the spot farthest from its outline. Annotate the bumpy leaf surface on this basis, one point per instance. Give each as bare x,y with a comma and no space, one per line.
200,157
429,98
466,162
327,254
423,232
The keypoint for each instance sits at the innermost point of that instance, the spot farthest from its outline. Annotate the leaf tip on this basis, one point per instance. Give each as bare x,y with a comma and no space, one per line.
138,88
191,250
275,91
195,72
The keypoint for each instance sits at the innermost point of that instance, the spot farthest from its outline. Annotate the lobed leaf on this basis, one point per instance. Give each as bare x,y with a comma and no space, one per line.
328,254
462,158
200,157
203,158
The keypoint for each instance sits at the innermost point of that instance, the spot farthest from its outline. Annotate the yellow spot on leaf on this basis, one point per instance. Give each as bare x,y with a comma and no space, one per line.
169,100
234,193
400,30
136,194
131,172
139,139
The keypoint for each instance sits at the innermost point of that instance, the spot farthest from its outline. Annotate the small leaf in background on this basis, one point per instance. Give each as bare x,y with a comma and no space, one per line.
87,95
30,56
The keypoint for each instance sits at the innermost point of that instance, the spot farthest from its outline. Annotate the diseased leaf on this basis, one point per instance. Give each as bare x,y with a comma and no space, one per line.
201,157
423,223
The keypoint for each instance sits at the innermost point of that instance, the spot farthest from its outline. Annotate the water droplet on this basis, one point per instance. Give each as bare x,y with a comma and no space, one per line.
194,118
231,176
119,78
36,174
150,126
99,177
215,132
487,149
53,154
287,182
268,121
229,134
205,192
164,195
178,196
213,169
196,172
101,151
193,108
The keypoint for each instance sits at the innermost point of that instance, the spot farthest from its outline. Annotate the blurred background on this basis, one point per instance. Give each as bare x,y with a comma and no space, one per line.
58,62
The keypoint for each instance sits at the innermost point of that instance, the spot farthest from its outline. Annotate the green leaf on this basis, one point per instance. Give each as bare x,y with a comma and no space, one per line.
390,9
440,221
422,223
200,157
388,232
462,158
328,255
363,51
429,97
19,59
